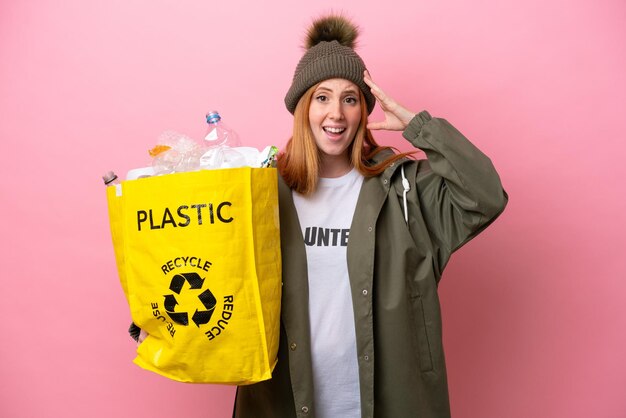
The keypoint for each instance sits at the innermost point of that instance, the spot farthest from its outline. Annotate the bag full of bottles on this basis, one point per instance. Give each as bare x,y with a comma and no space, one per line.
197,245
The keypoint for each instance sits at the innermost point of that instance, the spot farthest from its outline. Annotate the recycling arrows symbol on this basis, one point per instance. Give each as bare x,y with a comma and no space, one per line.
206,297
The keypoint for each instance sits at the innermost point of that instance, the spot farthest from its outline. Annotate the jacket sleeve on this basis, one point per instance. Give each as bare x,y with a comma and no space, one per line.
459,190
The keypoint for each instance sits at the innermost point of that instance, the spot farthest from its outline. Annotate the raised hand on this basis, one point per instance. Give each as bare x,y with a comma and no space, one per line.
397,117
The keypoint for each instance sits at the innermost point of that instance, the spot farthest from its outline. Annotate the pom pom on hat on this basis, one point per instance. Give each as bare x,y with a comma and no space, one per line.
330,54
332,28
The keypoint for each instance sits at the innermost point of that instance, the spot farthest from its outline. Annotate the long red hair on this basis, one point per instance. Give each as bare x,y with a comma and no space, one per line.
299,164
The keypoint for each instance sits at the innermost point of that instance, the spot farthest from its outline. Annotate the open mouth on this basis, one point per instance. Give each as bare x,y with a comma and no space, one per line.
335,131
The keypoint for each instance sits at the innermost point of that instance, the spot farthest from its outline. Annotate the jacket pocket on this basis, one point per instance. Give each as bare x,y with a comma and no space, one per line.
420,338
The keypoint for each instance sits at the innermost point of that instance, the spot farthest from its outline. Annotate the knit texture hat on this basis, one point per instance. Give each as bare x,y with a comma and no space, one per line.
330,54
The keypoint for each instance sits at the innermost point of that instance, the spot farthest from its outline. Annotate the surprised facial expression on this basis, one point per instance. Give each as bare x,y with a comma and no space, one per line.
334,116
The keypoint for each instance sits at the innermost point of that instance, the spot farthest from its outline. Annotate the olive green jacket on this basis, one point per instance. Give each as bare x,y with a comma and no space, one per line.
394,271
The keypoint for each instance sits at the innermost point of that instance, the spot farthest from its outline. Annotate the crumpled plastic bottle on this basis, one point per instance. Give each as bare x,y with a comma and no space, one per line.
218,133
221,141
176,153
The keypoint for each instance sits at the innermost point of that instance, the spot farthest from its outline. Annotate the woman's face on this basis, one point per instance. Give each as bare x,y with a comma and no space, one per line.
334,116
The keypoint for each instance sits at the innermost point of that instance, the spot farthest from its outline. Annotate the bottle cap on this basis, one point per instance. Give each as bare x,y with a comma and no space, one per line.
109,177
213,117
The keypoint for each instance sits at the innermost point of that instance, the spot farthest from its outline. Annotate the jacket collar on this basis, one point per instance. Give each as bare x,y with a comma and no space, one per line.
385,177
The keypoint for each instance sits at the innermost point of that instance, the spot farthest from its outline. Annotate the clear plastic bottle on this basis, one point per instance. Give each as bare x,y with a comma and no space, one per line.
219,134
110,179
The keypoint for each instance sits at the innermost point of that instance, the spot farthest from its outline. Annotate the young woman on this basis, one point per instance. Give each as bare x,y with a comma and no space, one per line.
365,236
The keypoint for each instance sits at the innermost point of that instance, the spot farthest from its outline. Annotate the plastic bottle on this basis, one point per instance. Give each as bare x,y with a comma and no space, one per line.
110,179
218,133
175,153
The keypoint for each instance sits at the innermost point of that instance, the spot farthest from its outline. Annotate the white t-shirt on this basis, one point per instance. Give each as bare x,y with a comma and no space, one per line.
325,218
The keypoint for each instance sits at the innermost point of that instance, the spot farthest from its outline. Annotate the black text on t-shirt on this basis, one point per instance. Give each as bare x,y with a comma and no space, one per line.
324,237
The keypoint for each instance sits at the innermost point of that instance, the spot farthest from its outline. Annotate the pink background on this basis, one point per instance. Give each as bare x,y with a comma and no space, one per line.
534,312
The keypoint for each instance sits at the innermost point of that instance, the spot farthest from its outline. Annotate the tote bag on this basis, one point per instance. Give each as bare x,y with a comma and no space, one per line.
198,257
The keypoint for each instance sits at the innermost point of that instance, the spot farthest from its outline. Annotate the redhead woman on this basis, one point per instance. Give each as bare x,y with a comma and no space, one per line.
365,234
